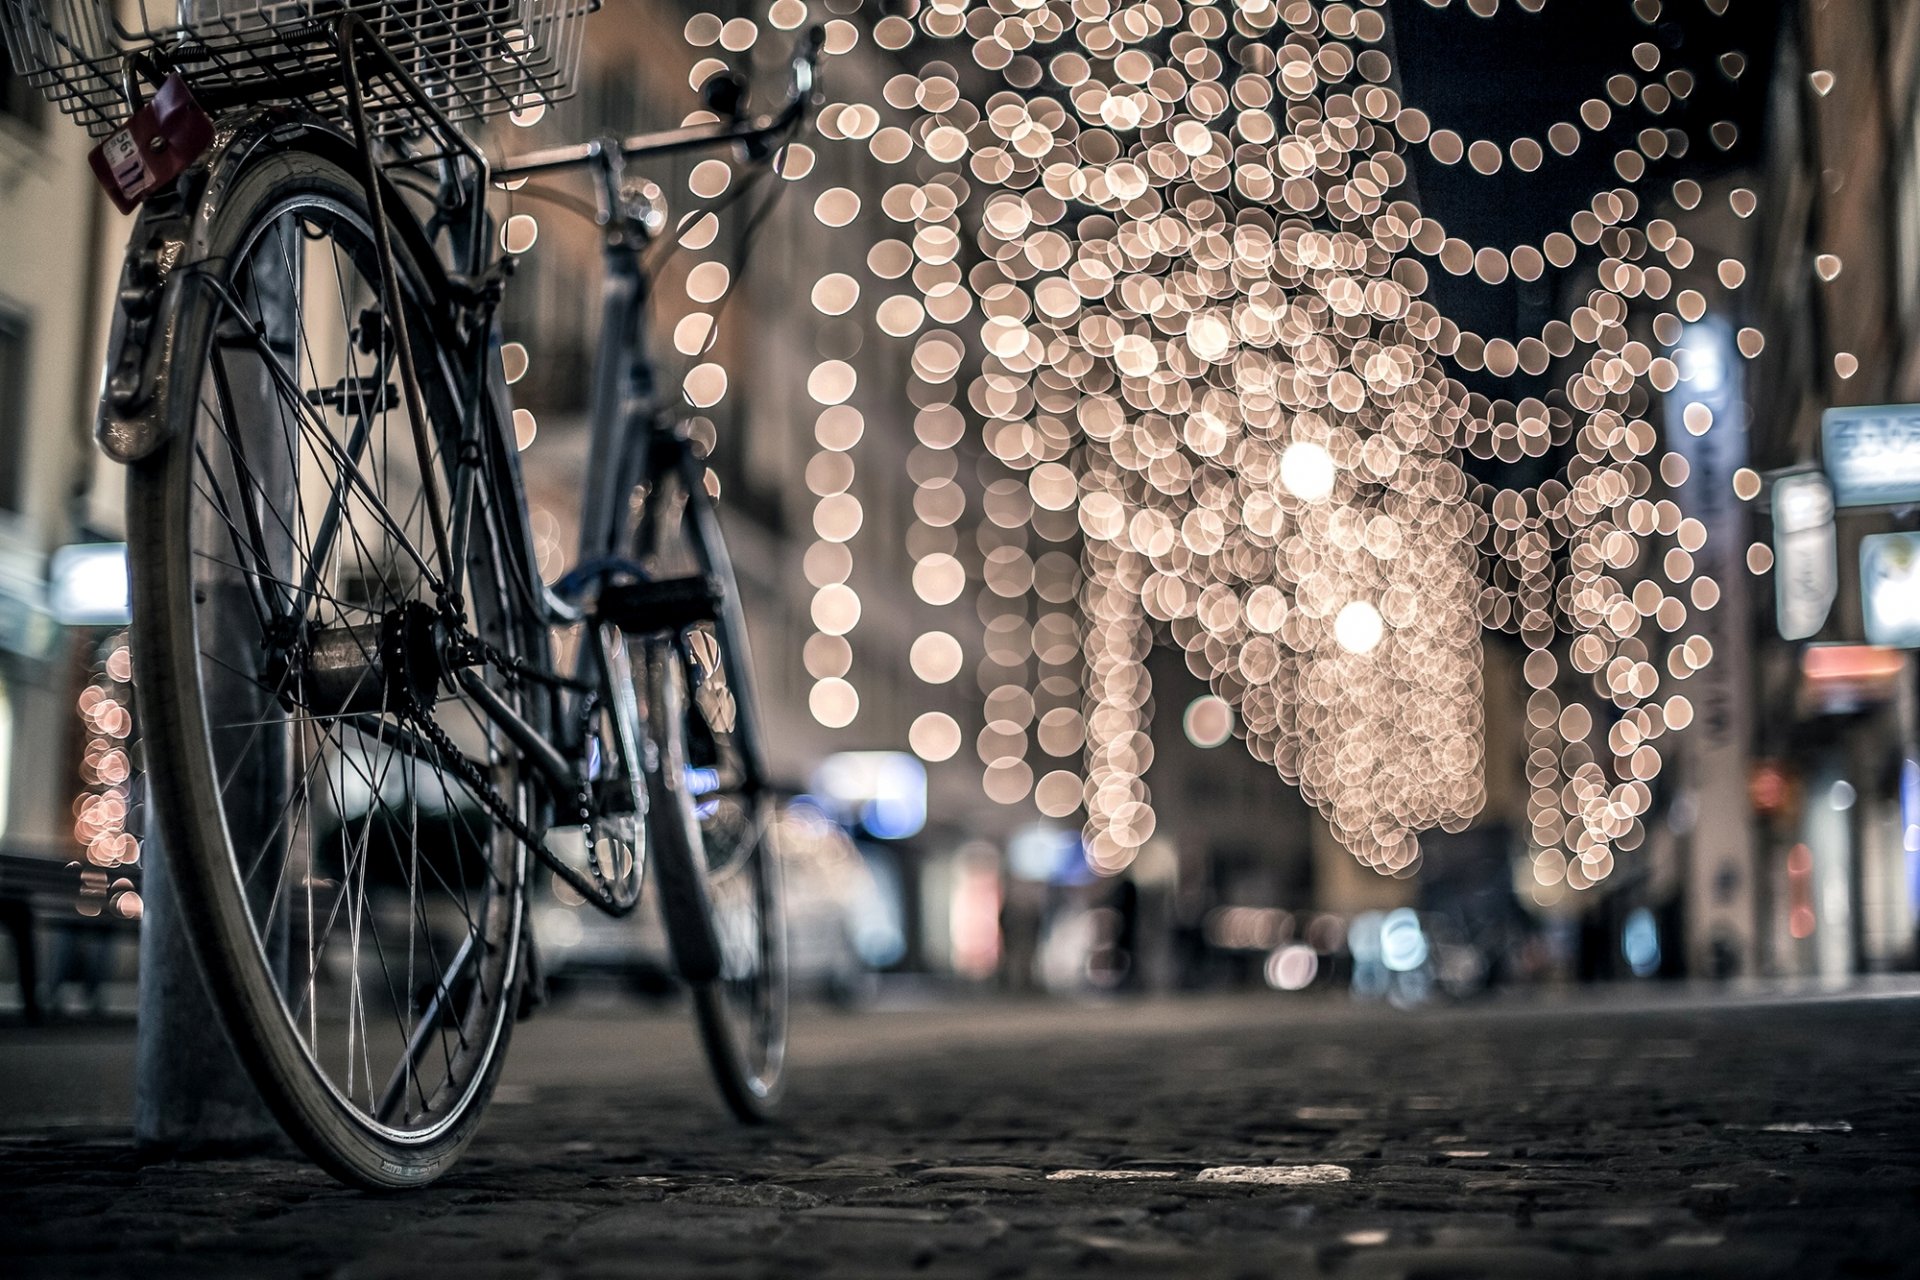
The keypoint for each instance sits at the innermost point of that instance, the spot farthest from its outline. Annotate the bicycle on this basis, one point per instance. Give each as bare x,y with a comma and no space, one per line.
361,721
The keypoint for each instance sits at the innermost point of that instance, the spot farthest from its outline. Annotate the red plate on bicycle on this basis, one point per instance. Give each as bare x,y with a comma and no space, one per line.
154,147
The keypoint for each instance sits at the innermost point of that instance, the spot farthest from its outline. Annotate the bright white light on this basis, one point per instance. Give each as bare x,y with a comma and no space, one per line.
886,790
934,736
87,585
1357,627
1702,356
1403,946
1306,469
936,657
1292,967
834,703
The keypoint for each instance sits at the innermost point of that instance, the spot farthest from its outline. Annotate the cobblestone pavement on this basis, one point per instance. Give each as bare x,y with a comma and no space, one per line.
1219,1138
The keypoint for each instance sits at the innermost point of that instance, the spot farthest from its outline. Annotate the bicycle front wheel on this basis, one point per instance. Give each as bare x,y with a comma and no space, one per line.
324,792
715,858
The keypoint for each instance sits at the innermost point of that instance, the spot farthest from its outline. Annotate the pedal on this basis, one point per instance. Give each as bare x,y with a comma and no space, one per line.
668,604
367,395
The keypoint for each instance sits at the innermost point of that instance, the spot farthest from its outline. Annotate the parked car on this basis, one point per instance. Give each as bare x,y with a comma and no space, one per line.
829,892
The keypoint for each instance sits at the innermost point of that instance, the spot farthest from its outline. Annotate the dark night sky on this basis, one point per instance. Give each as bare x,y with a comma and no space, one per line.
1518,72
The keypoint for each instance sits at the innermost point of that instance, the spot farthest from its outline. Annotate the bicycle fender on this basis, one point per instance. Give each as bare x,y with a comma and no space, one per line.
134,417
131,421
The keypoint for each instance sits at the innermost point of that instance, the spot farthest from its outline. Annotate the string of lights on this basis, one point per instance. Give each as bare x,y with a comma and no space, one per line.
1204,349
104,803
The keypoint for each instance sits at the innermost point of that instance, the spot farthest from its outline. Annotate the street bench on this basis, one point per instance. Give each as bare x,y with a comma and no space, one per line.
47,890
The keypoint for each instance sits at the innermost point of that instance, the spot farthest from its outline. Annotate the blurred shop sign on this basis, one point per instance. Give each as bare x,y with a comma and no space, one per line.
1872,454
1049,855
1890,589
1838,679
884,791
1770,788
1805,575
87,585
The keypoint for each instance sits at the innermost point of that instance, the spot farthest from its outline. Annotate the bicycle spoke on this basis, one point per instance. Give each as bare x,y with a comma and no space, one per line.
267,613
314,431
403,1072
373,787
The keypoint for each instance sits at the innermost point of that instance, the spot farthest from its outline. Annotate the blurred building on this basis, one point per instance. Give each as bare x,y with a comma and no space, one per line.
1232,832
1834,790
57,273
50,338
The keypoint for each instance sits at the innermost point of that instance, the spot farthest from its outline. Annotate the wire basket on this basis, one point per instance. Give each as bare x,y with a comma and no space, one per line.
473,58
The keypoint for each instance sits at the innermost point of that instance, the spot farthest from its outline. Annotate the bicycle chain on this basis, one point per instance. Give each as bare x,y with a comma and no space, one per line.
518,668
490,796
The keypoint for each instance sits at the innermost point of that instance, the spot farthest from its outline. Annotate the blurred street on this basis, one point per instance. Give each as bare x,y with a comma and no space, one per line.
1657,1132
1308,615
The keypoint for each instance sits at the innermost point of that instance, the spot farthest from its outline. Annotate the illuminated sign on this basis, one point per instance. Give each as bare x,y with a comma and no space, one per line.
1840,679
1890,589
1050,855
87,585
1805,573
885,791
1873,454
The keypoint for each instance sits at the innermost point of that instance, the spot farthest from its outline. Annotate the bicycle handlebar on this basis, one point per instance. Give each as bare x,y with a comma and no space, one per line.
752,135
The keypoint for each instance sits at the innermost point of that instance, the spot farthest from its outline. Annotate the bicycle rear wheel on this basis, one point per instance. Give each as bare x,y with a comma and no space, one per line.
717,869
356,909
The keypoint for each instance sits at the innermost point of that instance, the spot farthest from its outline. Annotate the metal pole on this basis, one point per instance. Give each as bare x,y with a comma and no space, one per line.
191,1096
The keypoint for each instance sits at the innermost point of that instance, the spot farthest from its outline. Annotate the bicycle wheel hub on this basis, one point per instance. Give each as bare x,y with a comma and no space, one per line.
392,665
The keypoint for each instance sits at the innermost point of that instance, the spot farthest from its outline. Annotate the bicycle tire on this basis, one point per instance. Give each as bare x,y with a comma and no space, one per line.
720,898
190,631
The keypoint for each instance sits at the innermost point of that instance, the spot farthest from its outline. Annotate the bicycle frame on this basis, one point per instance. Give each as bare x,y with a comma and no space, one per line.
631,442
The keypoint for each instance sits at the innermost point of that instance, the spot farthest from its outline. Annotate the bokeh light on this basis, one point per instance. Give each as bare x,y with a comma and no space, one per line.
1164,266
